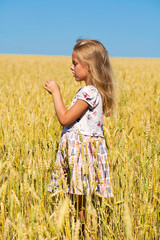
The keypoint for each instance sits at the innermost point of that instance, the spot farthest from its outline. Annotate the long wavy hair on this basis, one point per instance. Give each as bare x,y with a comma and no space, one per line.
94,54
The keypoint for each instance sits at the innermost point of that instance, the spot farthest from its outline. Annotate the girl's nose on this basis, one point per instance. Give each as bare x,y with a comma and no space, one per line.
71,67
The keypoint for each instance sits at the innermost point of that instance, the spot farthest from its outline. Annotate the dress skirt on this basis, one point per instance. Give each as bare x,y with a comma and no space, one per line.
81,166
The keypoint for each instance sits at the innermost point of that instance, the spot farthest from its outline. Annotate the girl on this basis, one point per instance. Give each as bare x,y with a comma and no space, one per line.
81,165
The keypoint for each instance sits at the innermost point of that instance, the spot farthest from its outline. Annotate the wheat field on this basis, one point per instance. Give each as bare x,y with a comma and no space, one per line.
29,137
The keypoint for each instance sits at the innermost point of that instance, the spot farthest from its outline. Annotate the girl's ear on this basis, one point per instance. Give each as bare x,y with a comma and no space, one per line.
89,69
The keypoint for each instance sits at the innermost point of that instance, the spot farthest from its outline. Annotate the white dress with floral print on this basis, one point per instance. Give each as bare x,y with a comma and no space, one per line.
81,166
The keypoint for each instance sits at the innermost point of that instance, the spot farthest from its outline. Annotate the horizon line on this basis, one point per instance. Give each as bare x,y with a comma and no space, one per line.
49,55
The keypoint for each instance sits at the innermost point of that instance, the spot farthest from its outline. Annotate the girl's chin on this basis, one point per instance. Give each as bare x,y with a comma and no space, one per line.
78,80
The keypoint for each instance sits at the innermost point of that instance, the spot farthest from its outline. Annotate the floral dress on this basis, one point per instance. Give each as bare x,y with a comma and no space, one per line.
81,165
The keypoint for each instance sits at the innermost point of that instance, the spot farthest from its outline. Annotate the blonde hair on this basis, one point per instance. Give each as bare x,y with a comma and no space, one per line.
94,54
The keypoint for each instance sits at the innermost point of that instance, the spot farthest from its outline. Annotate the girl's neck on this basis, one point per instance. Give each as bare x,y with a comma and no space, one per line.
89,82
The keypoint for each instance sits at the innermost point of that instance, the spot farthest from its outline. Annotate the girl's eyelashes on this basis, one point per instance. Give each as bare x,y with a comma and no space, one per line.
74,63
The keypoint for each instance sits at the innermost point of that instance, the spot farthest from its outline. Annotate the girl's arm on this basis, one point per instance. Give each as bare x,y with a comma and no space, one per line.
65,117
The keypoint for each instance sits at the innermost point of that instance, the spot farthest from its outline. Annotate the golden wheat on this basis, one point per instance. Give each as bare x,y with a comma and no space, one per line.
29,137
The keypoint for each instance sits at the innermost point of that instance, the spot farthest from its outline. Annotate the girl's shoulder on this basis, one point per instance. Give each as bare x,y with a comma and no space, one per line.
89,94
88,89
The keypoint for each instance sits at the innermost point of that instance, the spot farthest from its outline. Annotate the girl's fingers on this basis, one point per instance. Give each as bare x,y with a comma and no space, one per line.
51,86
48,82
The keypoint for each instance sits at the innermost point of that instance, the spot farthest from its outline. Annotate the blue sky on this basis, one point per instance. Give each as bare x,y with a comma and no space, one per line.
51,27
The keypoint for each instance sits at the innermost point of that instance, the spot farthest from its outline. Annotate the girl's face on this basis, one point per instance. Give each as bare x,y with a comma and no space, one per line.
80,69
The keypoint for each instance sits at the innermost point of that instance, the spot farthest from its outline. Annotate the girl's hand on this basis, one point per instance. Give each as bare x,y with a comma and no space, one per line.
51,86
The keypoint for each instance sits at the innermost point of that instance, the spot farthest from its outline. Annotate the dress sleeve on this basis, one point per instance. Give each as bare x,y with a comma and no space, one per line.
88,94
